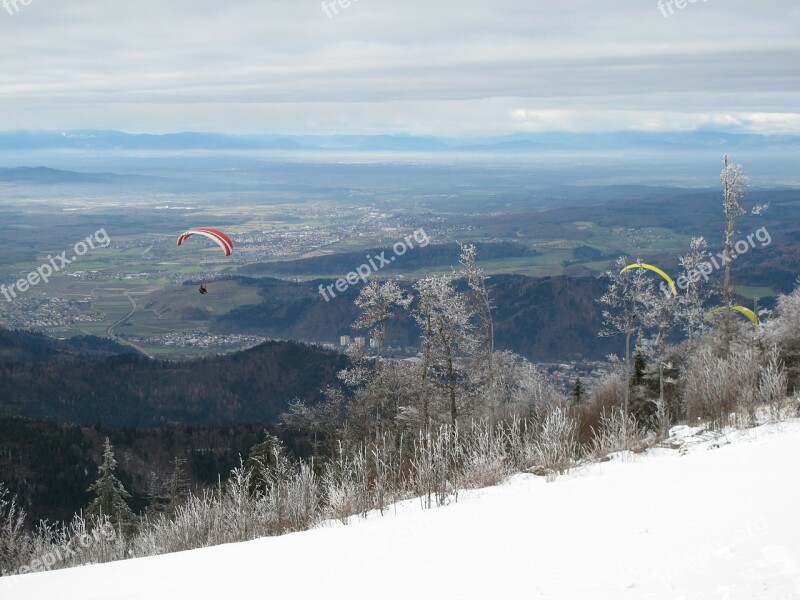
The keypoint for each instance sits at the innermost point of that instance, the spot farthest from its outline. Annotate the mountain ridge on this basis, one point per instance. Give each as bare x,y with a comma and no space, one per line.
516,142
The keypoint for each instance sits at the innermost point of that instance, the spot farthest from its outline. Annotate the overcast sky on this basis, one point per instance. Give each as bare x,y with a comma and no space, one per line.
400,66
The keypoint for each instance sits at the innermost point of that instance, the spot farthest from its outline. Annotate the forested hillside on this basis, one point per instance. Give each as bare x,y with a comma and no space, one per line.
27,347
134,391
543,319
51,465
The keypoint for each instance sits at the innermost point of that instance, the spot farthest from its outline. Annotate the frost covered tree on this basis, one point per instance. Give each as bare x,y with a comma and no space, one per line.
448,339
783,333
378,303
14,546
659,314
734,188
691,309
111,500
375,401
627,297
483,303
424,316
328,420
490,371
518,390
716,387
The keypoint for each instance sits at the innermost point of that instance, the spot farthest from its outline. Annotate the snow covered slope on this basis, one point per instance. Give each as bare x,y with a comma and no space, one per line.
719,518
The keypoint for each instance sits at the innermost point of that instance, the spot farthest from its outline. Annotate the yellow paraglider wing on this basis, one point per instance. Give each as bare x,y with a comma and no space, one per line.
742,309
654,269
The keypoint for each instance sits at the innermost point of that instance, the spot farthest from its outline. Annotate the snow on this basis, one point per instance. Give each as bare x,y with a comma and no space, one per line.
707,516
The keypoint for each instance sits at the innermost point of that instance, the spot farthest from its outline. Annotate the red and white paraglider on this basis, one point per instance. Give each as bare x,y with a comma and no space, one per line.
215,235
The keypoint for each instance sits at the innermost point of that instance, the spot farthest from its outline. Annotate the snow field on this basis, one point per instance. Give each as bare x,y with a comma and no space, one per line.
719,519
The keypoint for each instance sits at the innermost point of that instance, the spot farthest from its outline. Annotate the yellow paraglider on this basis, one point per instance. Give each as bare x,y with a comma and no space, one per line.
742,309
654,269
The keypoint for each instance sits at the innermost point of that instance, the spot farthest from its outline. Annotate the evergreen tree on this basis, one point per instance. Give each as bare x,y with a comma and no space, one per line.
156,501
266,464
111,500
639,367
178,487
577,392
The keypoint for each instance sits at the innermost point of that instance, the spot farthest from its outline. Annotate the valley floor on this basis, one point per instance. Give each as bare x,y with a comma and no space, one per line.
714,516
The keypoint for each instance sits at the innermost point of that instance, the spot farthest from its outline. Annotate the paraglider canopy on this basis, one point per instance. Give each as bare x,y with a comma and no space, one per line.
742,309
213,234
654,269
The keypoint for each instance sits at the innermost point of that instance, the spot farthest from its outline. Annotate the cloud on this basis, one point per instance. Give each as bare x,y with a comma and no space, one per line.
422,66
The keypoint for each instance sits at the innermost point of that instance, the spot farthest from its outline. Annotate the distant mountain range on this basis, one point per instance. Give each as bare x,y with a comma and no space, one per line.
512,143
45,175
